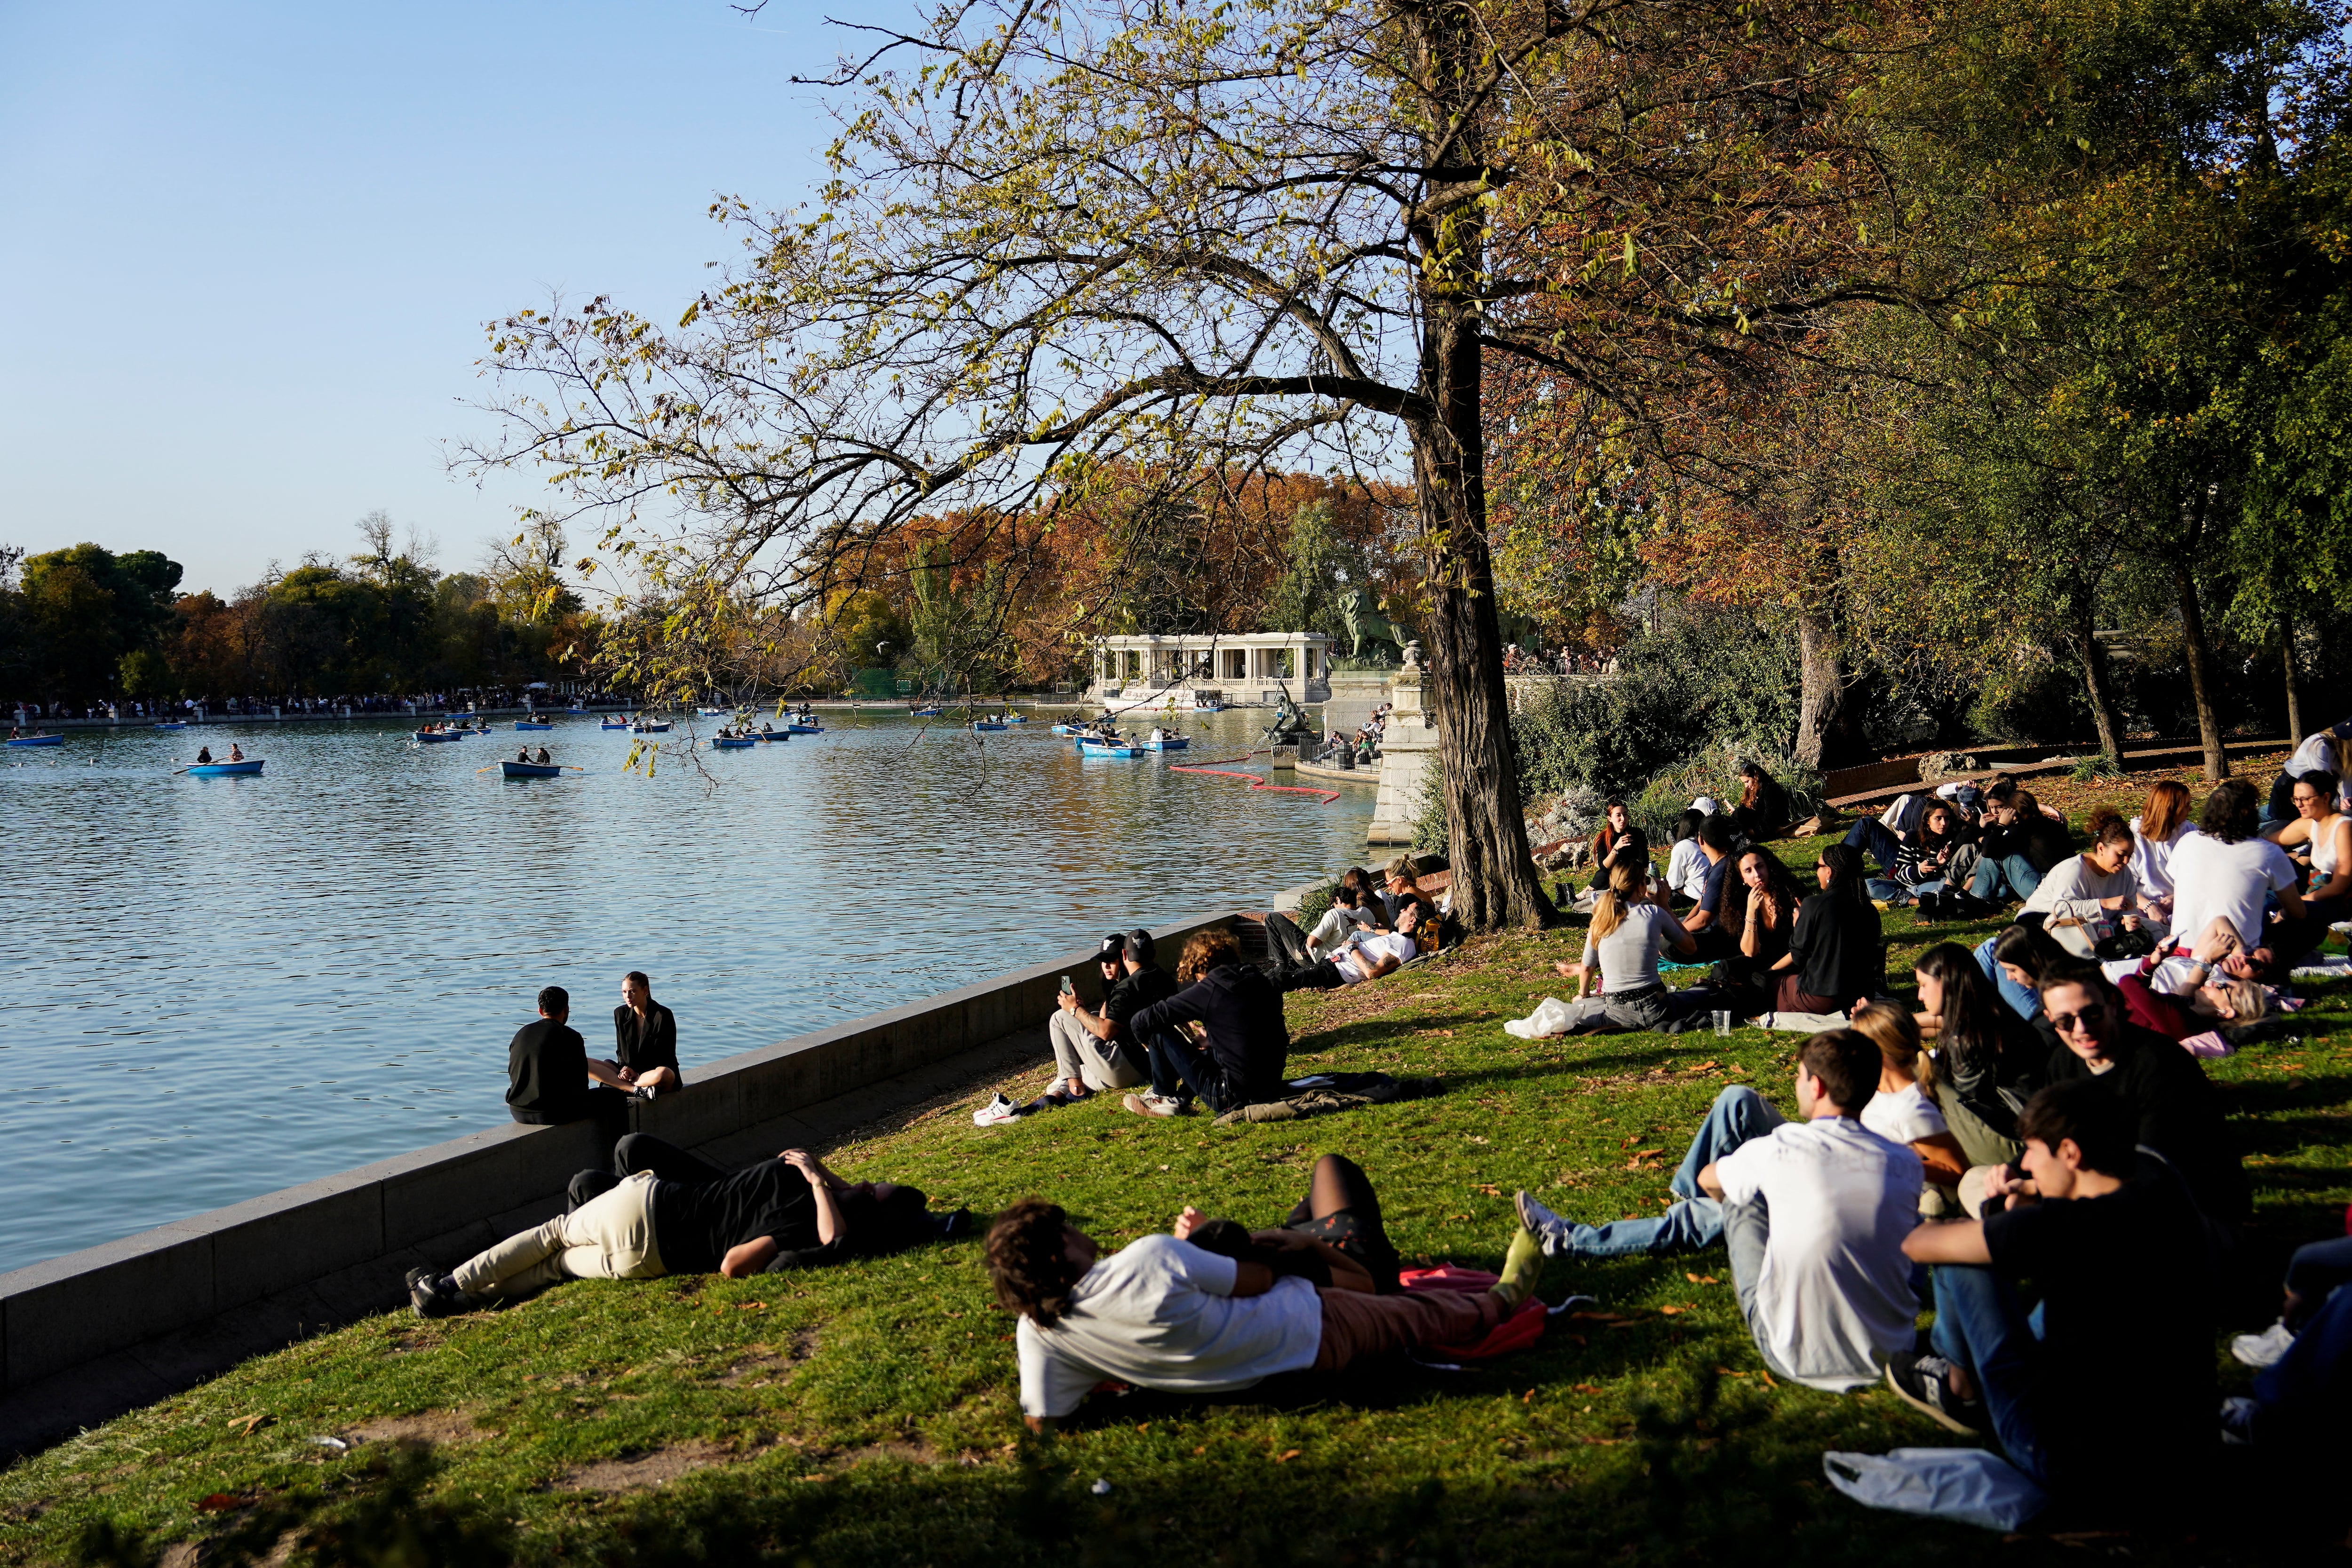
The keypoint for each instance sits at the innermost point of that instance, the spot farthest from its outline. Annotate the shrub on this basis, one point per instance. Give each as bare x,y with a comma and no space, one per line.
1429,825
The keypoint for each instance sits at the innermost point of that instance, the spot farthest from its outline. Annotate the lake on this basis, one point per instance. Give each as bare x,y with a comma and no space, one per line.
218,987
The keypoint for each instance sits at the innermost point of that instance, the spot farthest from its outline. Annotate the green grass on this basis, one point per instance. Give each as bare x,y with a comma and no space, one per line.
866,1415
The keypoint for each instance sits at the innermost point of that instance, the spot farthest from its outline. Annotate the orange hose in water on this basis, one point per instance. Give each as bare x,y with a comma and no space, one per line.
1215,770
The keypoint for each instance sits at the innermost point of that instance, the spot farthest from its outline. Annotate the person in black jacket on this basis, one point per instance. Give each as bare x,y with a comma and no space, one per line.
1241,1014
2018,851
645,1038
1832,962
2177,1115
548,1070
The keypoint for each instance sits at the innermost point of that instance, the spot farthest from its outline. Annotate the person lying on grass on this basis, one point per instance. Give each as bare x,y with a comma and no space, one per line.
1163,1312
1357,956
1813,1212
2105,1393
664,1211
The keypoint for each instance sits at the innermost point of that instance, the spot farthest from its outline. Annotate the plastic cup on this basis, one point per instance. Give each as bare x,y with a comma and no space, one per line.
1722,1022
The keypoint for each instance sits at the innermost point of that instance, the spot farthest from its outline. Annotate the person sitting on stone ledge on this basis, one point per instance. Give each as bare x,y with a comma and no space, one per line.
645,1038
548,1072
664,1211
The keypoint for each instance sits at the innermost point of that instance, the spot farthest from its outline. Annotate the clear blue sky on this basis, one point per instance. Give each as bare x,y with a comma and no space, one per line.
246,252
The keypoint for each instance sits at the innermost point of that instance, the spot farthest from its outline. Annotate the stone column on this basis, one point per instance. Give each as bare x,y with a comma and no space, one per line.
1406,748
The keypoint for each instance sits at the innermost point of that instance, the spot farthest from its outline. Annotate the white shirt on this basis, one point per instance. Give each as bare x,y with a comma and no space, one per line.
1687,869
1338,922
2213,881
1161,1313
2152,861
1361,951
2074,889
1833,1298
1903,1117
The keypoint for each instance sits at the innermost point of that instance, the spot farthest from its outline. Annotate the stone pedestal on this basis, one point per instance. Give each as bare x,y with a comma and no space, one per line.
1407,749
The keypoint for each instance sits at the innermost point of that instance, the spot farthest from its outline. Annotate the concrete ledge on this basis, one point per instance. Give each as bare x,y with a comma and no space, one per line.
91,1334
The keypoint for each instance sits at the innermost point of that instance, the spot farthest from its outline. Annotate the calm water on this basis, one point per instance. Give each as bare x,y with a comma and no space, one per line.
218,987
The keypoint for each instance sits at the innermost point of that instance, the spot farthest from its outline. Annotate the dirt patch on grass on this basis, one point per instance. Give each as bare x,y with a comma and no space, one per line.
759,1366
427,1426
643,1472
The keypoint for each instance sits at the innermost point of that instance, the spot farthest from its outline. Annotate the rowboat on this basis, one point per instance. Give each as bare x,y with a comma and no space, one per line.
225,770
38,740
614,724
985,724
733,742
529,769
923,713
661,729
775,735
529,724
1016,718
1167,742
804,729
715,712
1099,748
436,736
170,726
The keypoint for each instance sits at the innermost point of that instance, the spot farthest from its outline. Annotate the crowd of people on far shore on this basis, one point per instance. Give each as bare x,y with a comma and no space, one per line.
1519,661
484,698
1361,750
2027,1143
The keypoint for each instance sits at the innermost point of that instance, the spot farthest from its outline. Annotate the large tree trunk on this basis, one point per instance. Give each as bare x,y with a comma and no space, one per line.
2201,680
1495,883
2097,686
1821,686
2294,686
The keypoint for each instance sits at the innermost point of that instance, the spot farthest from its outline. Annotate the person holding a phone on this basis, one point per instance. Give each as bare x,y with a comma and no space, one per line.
1095,1052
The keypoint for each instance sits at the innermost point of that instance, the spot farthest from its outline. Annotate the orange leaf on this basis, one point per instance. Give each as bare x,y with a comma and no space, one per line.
218,1502
1285,1457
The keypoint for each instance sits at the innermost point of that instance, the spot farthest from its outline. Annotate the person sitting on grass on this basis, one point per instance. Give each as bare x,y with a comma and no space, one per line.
1686,864
1621,945
2089,895
1833,960
2014,854
2177,1114
1763,808
1712,923
2162,822
2105,1392
1094,1053
672,1213
1911,863
1902,1111
1164,1312
2320,837
1244,1043
1813,1214
1773,900
1984,1062
2014,960
1615,841
1354,907
2228,870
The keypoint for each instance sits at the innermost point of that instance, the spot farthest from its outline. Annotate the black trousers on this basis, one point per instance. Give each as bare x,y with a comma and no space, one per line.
642,1152
1295,969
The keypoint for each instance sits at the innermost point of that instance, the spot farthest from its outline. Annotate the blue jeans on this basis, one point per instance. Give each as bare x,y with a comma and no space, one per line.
1981,1325
2015,870
1870,833
1180,1069
2024,1000
2302,1393
1738,1115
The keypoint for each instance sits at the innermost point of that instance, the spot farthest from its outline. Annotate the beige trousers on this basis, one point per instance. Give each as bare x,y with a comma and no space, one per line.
611,1238
1096,1063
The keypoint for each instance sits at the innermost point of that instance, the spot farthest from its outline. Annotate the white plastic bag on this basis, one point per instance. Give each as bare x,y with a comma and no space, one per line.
1968,1486
1550,1017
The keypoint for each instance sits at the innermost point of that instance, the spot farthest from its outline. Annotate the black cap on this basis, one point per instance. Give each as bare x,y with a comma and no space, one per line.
1112,946
1139,945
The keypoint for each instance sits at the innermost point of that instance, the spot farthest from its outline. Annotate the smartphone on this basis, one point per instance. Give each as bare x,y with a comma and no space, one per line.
1069,989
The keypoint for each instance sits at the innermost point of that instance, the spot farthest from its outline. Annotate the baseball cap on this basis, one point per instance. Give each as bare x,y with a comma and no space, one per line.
1705,804
1112,946
1139,945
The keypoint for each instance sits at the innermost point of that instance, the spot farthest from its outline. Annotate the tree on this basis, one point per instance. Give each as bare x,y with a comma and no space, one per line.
88,607
1073,234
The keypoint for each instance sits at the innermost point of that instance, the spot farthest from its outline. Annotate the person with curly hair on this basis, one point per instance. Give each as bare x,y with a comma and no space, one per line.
1166,1312
1239,1060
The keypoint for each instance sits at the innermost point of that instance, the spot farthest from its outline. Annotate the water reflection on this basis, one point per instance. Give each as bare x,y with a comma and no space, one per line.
216,988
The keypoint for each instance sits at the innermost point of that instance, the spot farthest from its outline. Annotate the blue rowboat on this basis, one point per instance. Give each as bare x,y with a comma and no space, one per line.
661,729
804,729
1173,743
436,736
170,726
614,724
923,713
225,770
733,742
1097,748
39,740
1016,718
530,771
527,724
983,724
774,735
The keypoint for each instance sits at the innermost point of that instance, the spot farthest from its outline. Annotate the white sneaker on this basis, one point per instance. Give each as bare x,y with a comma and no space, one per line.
996,1112
2264,1348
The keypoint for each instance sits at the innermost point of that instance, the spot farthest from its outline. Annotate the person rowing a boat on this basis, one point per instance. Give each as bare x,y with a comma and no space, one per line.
204,756
523,754
236,752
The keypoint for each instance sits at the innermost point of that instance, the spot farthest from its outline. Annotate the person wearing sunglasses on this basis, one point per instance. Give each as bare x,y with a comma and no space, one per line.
2176,1113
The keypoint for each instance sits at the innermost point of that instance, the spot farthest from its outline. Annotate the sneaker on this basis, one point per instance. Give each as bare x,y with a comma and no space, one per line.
418,1276
996,1112
1923,1383
2238,1413
2264,1348
429,1300
1053,1099
1150,1105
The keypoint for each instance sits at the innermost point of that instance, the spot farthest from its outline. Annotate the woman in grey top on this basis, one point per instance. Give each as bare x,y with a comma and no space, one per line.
1621,947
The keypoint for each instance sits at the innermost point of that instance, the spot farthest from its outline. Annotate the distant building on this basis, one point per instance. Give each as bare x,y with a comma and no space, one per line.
1241,668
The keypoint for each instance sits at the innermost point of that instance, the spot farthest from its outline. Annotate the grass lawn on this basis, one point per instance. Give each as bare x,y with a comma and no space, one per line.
866,1415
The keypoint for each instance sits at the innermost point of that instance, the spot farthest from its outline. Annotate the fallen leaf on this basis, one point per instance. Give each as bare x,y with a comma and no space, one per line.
1285,1457
1143,1427
760,1307
1670,1311
1701,1278
1584,1388
1705,1066
248,1424
218,1502
818,1476
1528,1398
1767,1380
1199,1451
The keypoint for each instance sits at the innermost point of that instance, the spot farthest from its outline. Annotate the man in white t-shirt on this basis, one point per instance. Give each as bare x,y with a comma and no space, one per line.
1813,1214
2227,871
1163,1313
